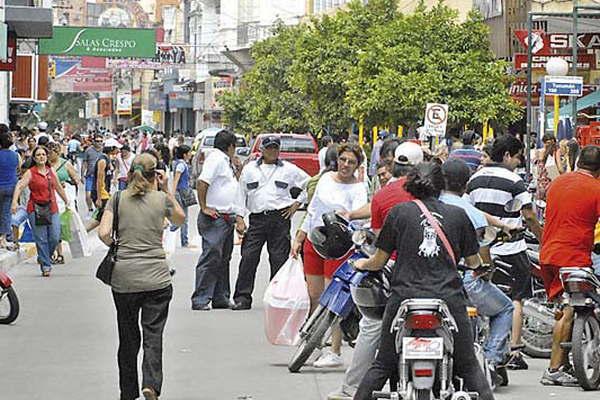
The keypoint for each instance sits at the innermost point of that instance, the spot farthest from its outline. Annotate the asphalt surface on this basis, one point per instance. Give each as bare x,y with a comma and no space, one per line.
63,345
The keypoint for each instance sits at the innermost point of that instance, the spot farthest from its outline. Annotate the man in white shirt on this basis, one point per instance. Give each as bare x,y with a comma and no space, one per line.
265,189
218,196
326,142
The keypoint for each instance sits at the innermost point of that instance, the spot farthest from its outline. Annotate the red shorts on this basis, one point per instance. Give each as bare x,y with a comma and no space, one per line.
314,264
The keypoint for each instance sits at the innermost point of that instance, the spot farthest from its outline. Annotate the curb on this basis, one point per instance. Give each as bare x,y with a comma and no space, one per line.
10,259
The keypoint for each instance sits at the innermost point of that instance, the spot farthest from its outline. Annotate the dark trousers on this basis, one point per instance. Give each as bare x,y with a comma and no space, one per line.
212,270
273,229
466,365
154,307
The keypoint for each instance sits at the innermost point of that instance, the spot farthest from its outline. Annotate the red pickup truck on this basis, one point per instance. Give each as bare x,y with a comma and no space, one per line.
301,150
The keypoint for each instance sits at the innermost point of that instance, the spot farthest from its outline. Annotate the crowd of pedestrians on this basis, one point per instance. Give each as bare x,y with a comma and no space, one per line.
137,185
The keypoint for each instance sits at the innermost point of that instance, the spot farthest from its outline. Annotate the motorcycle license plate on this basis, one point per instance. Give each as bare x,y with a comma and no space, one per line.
419,348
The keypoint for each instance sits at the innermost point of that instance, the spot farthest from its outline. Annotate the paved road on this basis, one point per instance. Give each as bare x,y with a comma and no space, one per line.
63,345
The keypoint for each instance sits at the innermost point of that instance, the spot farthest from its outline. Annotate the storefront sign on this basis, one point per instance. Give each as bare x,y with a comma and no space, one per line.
166,56
105,106
584,61
101,42
11,52
124,103
71,77
547,43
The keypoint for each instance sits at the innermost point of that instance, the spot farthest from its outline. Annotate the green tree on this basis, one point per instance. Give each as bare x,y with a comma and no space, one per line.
65,107
426,57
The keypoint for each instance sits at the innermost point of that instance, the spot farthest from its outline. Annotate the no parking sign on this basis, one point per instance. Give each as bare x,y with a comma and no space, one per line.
436,118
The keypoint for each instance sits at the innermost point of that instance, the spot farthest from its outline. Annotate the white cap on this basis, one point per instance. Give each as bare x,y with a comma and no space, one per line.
112,143
42,126
408,153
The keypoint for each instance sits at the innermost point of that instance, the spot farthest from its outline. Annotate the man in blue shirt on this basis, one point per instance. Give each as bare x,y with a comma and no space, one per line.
468,153
484,295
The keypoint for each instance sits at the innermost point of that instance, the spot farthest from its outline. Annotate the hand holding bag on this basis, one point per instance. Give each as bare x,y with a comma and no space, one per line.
187,197
106,267
43,215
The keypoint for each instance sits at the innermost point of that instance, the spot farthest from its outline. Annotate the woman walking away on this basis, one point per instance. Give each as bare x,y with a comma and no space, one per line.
42,207
9,164
181,185
141,282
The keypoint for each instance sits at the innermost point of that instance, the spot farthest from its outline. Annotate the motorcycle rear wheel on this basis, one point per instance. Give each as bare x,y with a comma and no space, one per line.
536,335
312,340
10,297
586,353
423,394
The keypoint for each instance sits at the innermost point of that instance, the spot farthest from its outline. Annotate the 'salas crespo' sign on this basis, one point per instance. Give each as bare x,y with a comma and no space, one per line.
100,42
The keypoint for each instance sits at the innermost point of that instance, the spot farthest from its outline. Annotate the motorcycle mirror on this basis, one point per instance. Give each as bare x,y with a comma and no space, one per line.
514,205
540,203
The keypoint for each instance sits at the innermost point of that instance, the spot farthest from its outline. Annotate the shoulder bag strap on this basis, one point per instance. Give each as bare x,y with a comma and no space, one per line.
115,225
434,224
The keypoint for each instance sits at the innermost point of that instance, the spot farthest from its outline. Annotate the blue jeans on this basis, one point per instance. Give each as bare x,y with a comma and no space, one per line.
493,303
6,195
184,226
212,270
46,239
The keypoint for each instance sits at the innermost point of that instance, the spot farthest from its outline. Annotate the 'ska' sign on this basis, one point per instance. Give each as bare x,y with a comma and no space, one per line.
100,42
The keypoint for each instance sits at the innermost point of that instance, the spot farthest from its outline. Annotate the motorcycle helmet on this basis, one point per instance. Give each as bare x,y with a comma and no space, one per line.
371,295
332,240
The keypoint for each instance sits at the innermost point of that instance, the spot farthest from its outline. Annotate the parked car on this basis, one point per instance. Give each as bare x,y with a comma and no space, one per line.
204,143
301,150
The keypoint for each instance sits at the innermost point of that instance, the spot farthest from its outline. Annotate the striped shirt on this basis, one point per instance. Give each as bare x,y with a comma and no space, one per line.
469,155
490,189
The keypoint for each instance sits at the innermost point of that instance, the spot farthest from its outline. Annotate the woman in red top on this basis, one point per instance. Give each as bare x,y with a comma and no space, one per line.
43,184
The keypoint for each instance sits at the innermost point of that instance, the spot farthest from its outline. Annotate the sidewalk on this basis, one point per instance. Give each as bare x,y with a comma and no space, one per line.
10,259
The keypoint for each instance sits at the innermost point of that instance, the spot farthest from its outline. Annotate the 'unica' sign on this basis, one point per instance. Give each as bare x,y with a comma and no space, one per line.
100,42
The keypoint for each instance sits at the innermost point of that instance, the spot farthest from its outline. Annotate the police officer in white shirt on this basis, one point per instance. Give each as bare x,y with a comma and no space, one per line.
265,189
218,196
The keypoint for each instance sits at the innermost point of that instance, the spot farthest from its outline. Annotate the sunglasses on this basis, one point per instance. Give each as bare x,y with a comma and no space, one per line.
348,161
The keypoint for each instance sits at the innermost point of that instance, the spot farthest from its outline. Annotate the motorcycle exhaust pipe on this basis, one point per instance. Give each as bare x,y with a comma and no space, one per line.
539,312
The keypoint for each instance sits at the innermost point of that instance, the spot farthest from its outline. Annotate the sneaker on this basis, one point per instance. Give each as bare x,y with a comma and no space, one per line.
328,360
516,362
558,378
339,395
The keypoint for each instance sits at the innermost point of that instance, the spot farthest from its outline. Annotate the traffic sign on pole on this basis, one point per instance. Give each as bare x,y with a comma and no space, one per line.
436,119
563,86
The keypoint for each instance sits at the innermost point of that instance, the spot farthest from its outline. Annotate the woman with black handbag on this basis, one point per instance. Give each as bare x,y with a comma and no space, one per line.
140,279
42,207
181,187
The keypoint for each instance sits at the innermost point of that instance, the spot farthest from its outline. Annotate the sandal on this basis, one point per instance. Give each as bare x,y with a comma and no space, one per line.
60,259
12,247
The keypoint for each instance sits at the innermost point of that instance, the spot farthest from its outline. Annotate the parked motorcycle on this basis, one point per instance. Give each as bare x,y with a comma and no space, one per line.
425,344
9,303
581,286
336,304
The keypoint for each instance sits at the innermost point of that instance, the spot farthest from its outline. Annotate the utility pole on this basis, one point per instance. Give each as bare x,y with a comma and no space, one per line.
4,75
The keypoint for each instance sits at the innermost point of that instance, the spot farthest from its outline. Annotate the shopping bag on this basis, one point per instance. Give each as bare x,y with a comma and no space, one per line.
170,241
79,244
286,304
65,226
551,168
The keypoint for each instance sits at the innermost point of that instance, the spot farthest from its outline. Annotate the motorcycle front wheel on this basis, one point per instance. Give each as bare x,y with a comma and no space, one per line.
9,305
536,335
314,337
586,350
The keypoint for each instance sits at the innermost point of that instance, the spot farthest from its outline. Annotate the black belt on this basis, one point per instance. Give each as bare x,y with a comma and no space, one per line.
271,212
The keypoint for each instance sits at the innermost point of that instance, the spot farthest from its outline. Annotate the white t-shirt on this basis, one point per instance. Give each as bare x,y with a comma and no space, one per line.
124,165
333,196
322,154
172,143
223,191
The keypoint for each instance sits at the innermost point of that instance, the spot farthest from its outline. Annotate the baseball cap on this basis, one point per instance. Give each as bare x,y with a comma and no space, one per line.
270,141
408,153
112,143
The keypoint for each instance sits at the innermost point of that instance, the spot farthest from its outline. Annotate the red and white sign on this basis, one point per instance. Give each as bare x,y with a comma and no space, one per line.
547,43
11,49
584,61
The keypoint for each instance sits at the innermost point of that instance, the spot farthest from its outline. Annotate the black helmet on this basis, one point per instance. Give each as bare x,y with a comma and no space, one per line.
371,295
334,239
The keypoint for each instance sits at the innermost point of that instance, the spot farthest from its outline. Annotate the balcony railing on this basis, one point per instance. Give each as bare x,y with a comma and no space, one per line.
250,32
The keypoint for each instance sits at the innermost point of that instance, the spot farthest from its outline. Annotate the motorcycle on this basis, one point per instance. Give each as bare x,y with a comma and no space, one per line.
335,304
425,344
9,303
581,287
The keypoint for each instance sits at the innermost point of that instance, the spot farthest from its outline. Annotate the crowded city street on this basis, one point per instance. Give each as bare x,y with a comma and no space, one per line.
63,345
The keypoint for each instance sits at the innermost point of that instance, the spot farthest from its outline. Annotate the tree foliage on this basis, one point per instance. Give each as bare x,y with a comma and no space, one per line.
64,107
372,63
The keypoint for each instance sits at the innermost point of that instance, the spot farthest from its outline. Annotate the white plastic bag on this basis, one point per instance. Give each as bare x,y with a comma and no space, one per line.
286,304
79,245
170,241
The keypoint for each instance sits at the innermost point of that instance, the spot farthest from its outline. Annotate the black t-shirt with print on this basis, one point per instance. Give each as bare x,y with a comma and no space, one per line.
423,267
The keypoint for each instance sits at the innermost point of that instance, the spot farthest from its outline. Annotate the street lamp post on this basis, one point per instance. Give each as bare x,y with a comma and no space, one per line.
554,67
